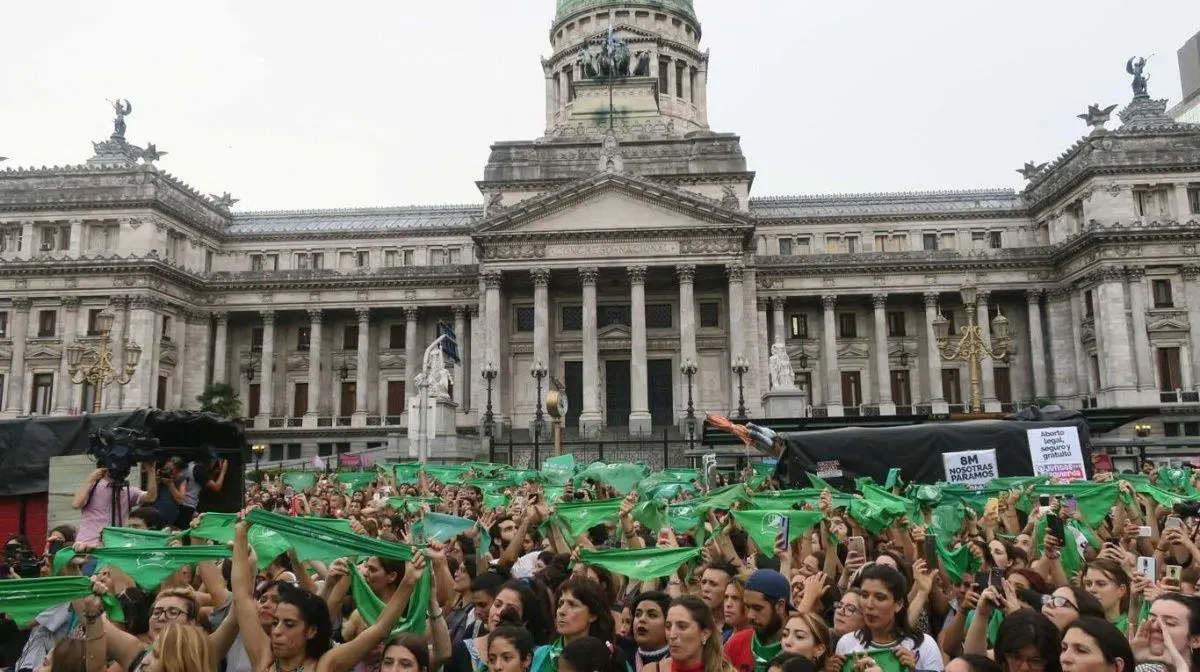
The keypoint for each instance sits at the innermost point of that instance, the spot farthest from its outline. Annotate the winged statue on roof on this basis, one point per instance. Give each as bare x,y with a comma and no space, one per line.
1135,67
122,108
223,202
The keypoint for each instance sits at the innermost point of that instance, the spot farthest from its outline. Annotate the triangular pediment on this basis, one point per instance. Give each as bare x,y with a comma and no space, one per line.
608,202
616,331
1166,326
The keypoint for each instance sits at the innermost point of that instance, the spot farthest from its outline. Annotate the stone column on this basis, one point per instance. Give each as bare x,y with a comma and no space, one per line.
266,387
492,281
737,339
1141,339
412,354
142,328
831,371
115,393
639,416
1082,375
883,378
933,356
29,243
478,386
590,419
779,319
1183,210
987,366
1037,345
1062,345
66,388
1191,301
541,316
362,372
182,347
763,353
1116,352
220,368
460,380
314,368
15,381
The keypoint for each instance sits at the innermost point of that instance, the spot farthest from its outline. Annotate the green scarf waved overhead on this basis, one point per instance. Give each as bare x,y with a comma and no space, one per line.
641,564
558,470
23,599
576,518
356,480
441,527
370,606
620,475
149,567
318,541
763,526
299,480
267,543
129,537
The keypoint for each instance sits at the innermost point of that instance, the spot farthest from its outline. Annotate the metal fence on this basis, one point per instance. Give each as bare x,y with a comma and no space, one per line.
659,450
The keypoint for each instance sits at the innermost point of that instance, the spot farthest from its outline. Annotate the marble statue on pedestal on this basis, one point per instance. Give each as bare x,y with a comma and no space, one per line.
782,376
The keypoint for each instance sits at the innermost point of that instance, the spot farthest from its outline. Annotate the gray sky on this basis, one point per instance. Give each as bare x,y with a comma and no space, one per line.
304,104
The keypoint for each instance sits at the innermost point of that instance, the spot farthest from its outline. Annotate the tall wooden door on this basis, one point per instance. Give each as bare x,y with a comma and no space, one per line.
573,379
617,404
300,400
660,392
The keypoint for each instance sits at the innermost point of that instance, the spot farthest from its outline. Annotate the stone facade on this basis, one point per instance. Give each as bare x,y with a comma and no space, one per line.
612,249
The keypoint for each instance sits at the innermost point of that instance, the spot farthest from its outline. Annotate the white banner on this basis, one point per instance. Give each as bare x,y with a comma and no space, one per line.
1055,452
970,467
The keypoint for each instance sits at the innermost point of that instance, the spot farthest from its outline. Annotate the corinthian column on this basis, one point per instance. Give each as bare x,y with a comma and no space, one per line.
590,420
492,280
987,367
933,356
1037,343
460,381
737,338
779,318
829,359
362,374
16,373
412,354
639,416
1141,339
541,316
883,380
1191,301
220,343
66,388
266,388
314,368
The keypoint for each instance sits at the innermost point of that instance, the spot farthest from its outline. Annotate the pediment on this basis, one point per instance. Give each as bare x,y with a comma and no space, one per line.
1167,326
607,202
615,331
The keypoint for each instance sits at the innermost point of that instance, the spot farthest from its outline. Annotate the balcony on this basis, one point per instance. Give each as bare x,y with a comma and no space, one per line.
1179,397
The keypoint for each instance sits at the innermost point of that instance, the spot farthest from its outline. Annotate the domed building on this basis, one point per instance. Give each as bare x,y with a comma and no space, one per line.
621,259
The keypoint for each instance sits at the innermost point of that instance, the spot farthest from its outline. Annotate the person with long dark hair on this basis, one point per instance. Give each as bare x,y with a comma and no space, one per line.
582,611
516,603
1027,640
1170,634
510,649
1095,645
590,654
884,604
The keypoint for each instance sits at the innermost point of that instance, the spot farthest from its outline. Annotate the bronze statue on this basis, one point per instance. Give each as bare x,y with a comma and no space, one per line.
122,108
1135,66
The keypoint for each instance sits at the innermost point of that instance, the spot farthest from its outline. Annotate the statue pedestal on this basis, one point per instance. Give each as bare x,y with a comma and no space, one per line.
443,439
633,98
785,403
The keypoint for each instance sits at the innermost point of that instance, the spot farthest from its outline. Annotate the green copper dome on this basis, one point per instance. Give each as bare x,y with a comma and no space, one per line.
680,6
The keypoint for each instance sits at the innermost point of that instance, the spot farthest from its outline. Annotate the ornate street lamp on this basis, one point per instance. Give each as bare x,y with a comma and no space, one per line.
971,347
1142,430
740,368
688,369
489,374
99,371
258,449
539,373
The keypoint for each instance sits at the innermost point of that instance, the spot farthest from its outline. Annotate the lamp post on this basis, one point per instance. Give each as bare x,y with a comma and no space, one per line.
1142,430
99,371
258,449
971,347
688,369
538,371
740,368
489,374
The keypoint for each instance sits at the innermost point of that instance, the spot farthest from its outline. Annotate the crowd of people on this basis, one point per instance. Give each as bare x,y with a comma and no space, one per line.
611,568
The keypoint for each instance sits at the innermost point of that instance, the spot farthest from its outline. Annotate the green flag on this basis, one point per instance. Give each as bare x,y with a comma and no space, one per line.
410,504
558,470
316,541
641,564
23,599
149,567
441,527
370,607
299,480
576,518
129,537
723,498
622,476
357,480
763,526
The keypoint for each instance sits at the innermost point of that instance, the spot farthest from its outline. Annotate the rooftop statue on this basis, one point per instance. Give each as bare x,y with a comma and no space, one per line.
1030,169
1096,117
122,107
1135,66
223,202
151,154
780,363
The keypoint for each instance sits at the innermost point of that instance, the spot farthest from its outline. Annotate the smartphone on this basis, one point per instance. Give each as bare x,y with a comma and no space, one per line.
1044,502
1173,572
981,580
1055,525
931,552
857,545
996,579
1144,530
1145,565
785,526
1173,521
991,507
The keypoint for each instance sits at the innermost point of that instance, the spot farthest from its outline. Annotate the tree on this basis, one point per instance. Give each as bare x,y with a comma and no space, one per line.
221,399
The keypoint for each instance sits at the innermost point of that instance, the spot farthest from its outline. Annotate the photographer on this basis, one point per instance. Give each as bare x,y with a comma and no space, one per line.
200,477
171,491
95,498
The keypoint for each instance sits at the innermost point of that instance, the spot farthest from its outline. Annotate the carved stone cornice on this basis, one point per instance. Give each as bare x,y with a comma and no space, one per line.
1189,272
1135,273
637,275
1058,293
686,273
70,303
588,275
762,303
540,277
492,279
22,303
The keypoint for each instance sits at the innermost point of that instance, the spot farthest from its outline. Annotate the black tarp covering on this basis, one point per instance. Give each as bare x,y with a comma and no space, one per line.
27,444
917,449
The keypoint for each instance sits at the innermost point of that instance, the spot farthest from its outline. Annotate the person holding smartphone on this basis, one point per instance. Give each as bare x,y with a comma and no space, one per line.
886,632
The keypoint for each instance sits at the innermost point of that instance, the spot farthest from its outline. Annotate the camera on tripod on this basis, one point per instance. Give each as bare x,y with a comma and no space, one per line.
119,449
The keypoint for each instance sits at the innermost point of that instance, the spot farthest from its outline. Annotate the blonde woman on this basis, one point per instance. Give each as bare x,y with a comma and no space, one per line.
180,648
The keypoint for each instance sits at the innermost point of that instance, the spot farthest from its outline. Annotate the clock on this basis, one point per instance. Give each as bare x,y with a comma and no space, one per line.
556,404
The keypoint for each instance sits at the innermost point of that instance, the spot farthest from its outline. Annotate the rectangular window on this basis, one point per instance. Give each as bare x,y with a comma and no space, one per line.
166,329
1003,385
294,451
1162,293
407,257
679,69
318,260
93,321
350,337
1194,200
208,261
342,448
525,318
896,326
161,395
362,259
303,338
275,452
852,388
1170,376
798,325
454,256
89,398
2,391
710,314
802,245
48,238
572,318
881,242
3,325
1089,309
437,257
658,316
300,400
608,315
1191,429
785,247
847,325
663,68
929,242
1149,202
396,404
256,339
804,382
947,242
397,336
389,258
324,449
901,387
270,262
47,321
850,243
995,240
349,394
978,240
42,396
951,387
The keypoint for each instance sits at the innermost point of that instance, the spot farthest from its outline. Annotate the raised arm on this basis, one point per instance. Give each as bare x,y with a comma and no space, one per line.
346,656
241,581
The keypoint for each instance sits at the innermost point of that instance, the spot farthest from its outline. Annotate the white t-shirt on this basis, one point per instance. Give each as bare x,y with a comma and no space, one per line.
929,656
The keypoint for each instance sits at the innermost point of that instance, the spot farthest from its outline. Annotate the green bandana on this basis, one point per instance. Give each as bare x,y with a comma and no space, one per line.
319,541
763,526
441,527
370,607
623,476
299,480
545,658
24,599
764,653
642,564
149,567
558,470
357,480
886,658
128,537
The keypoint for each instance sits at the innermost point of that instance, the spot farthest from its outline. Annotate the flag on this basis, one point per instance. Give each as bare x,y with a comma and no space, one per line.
621,475
299,480
441,527
449,344
641,564
128,537
318,463
763,526
370,607
315,540
23,599
149,567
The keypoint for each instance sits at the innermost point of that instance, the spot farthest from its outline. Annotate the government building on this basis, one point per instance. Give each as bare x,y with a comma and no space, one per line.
618,246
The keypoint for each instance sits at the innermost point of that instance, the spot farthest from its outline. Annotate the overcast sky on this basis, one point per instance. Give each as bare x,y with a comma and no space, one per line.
304,104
